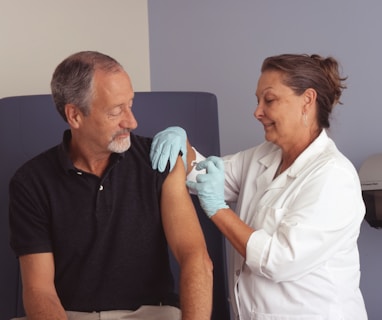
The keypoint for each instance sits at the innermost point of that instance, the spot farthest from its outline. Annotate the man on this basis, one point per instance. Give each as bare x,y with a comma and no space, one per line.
90,220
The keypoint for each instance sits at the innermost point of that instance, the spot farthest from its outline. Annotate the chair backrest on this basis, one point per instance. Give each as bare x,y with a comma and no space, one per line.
31,124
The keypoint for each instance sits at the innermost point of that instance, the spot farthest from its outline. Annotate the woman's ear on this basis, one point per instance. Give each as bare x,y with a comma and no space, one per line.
310,97
73,115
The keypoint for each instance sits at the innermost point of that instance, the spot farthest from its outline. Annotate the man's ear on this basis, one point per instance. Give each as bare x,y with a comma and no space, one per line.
73,115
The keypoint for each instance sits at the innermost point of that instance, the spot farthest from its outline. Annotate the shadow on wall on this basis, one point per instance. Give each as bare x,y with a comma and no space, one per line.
369,244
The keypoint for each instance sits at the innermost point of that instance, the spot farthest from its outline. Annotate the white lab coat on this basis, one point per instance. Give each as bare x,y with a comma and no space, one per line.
302,260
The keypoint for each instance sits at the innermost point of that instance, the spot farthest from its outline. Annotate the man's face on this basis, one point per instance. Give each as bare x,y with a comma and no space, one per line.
107,127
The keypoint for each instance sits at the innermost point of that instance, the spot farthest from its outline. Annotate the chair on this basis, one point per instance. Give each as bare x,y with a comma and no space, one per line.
31,124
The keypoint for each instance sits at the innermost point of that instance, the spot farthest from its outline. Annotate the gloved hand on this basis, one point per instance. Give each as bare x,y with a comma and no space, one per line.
166,147
210,186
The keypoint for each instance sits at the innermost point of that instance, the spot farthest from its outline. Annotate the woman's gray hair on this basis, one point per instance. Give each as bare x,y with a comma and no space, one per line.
72,81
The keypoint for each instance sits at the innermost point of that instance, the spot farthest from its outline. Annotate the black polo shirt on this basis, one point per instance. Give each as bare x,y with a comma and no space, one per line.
105,232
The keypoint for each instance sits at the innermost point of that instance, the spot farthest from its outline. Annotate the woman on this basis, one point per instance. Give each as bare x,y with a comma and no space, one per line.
298,200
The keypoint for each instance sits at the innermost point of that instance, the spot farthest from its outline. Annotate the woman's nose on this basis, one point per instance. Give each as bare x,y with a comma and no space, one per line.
258,112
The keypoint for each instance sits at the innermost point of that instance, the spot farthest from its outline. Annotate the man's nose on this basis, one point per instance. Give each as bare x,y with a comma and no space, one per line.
129,120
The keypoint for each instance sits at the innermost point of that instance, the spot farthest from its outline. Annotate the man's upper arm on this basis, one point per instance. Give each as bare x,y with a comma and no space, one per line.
179,217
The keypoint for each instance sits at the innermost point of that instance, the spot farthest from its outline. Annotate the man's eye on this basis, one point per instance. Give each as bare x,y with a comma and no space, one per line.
115,112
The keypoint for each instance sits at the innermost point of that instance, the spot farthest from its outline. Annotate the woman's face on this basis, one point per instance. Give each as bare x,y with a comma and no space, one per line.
279,110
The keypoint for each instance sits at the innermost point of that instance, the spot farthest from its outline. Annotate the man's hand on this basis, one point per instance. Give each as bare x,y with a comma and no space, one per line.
166,147
210,186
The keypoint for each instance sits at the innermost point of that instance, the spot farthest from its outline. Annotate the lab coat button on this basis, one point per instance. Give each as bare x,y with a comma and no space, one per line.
237,273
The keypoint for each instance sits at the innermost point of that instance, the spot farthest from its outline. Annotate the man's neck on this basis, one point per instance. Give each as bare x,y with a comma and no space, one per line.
88,161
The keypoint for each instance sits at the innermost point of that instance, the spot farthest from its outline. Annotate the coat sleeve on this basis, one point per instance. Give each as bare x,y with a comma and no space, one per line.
321,221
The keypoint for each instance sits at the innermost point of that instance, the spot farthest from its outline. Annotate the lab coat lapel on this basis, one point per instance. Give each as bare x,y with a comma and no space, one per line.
265,181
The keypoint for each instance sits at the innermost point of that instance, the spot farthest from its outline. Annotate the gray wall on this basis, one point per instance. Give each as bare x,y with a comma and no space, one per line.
218,46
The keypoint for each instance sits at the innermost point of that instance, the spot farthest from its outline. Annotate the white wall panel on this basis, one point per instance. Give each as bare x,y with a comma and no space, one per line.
36,35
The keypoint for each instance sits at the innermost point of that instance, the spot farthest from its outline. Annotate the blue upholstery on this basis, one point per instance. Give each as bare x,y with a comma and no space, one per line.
31,124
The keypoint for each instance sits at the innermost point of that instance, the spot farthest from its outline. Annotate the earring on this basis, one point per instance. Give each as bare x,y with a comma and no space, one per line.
305,119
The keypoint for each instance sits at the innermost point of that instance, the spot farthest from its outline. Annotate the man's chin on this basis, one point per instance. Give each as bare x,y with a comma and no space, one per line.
120,146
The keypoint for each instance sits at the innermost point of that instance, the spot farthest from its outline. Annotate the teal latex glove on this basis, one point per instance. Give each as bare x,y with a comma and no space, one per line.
210,186
166,147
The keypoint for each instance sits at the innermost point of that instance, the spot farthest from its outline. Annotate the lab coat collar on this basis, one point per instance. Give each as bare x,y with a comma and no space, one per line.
272,160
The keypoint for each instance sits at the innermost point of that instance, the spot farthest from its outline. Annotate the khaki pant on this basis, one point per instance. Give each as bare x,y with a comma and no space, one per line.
143,313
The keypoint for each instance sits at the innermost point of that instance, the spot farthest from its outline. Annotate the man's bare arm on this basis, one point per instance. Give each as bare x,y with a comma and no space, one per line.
186,241
39,293
191,156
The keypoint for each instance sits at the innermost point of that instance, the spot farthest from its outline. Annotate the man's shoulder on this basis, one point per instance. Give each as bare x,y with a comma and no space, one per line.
138,140
140,147
139,156
38,163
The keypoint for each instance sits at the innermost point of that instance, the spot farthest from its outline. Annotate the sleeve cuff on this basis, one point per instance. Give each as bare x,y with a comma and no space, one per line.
257,248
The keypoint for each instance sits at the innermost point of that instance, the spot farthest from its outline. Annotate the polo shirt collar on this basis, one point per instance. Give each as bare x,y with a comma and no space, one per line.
66,162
